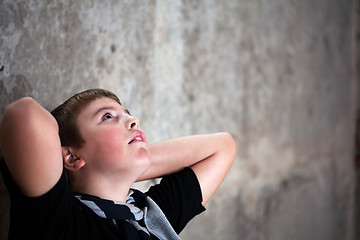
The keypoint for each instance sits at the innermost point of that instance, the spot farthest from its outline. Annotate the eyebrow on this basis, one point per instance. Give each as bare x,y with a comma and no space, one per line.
110,108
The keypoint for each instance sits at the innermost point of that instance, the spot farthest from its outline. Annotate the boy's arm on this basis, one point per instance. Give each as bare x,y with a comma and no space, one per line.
30,145
210,156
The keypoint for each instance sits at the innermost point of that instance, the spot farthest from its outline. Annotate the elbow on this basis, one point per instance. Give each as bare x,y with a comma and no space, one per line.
30,110
11,118
232,145
15,111
229,145
23,102
22,114
21,106
20,110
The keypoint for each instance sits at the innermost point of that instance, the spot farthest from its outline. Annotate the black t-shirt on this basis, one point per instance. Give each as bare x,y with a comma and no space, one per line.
59,215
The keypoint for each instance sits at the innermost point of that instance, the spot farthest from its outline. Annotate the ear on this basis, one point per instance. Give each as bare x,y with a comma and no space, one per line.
71,161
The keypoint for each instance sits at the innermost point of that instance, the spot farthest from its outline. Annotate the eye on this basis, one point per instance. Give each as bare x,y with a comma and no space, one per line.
106,116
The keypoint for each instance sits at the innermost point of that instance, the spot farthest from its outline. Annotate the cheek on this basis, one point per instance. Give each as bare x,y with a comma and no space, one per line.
111,144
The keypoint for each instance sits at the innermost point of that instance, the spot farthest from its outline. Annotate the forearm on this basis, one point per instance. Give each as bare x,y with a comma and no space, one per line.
209,156
212,171
173,155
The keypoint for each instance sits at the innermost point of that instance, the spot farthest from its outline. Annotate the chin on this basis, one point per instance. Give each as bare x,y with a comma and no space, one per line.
145,151
144,156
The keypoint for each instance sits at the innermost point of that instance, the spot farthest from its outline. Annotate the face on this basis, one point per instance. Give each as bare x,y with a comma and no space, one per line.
114,143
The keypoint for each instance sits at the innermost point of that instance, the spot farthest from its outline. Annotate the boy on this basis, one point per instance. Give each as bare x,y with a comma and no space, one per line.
70,175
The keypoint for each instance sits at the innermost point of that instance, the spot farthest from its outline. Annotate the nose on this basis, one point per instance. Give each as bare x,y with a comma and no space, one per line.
133,123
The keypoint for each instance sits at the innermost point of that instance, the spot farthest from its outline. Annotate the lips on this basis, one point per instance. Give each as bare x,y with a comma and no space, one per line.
138,137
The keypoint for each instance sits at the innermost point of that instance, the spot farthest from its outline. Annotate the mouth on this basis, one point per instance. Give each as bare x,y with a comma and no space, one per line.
138,137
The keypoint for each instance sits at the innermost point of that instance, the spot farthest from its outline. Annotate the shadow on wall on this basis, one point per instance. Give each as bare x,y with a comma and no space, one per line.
357,140
357,156
12,88
16,87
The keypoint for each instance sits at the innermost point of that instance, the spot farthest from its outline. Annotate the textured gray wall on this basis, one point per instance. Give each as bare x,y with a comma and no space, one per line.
278,75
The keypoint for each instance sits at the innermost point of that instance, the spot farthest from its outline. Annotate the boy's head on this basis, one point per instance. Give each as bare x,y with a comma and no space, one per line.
101,142
67,115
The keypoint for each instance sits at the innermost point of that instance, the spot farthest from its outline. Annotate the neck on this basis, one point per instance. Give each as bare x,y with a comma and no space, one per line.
105,188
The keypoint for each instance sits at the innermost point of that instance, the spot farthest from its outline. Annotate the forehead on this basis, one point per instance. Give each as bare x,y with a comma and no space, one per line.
97,104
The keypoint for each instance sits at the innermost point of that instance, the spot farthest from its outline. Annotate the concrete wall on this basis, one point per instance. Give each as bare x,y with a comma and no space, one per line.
278,75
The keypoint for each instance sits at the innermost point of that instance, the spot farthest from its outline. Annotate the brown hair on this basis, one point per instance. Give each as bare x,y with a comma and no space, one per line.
67,114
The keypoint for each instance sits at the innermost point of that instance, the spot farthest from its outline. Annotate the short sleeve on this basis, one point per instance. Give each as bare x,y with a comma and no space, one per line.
179,197
30,214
